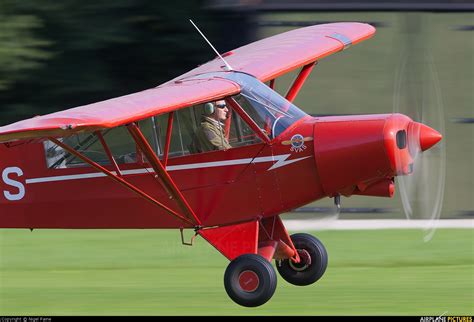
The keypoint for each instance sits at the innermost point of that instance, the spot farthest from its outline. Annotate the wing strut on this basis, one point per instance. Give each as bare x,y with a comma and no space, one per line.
108,152
299,81
167,181
120,180
272,84
168,137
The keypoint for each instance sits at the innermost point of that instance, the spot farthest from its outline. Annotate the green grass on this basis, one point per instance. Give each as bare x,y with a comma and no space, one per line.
148,272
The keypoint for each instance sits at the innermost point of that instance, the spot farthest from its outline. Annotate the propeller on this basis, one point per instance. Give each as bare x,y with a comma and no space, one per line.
417,94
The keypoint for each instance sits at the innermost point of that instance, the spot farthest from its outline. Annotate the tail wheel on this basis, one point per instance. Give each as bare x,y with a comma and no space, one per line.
250,280
314,260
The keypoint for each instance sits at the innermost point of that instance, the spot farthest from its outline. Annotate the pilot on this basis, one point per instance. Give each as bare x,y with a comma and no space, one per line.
210,134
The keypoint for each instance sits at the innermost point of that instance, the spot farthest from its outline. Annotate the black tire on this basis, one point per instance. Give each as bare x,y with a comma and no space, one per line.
302,274
250,280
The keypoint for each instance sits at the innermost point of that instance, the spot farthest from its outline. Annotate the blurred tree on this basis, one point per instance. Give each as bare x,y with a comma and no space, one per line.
75,52
21,51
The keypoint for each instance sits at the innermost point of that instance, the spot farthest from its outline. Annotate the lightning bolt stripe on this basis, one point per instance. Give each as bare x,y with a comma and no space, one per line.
279,161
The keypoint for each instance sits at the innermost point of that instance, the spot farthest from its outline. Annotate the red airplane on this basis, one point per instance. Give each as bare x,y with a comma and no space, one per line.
129,162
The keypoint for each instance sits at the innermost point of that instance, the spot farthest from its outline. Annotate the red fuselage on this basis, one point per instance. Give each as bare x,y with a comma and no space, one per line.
313,159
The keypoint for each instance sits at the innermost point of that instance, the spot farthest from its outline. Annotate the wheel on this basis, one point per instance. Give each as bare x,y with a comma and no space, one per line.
314,260
250,280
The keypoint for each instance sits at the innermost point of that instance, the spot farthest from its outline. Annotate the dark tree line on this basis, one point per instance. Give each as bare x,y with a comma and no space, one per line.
60,54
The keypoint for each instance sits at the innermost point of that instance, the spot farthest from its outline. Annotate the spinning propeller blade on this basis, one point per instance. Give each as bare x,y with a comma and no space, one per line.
417,94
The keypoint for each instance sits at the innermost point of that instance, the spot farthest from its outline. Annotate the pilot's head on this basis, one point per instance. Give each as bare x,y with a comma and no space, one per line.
217,110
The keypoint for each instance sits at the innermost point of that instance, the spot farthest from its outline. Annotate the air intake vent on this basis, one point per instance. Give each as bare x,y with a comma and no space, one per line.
402,139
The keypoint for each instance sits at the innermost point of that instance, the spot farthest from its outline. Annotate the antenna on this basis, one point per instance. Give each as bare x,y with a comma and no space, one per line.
228,67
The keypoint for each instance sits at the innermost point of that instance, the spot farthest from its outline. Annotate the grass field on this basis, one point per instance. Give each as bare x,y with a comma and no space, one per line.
146,272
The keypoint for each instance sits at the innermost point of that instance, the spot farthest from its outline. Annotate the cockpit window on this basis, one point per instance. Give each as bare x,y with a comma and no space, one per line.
272,112
268,109
121,146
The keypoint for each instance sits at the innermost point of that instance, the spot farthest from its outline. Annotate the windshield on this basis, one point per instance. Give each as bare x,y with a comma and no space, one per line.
272,112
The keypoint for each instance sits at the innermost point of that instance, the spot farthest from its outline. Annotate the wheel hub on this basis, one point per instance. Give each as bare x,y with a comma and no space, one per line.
248,281
305,261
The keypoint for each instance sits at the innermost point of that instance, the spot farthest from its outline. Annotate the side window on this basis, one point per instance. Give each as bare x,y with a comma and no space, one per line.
196,129
271,112
86,143
121,145
259,118
118,140
240,132
153,129
184,125
218,127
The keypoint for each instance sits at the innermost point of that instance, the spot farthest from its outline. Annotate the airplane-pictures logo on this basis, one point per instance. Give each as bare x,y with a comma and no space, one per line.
297,142
15,190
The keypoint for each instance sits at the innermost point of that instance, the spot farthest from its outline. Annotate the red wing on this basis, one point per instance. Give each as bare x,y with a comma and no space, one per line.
120,110
271,57
265,59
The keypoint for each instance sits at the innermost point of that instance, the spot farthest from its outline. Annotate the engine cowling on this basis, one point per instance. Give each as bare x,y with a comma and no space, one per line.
361,154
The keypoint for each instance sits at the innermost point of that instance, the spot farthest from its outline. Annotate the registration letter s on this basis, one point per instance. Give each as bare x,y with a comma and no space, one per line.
13,183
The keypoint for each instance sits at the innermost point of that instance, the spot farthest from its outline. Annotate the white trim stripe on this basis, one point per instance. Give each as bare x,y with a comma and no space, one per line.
208,164
64,178
280,161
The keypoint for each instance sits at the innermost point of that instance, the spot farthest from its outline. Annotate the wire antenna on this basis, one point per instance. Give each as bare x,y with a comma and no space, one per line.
228,67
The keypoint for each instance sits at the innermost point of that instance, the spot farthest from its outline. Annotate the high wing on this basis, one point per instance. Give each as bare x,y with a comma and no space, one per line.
265,59
272,57
120,110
